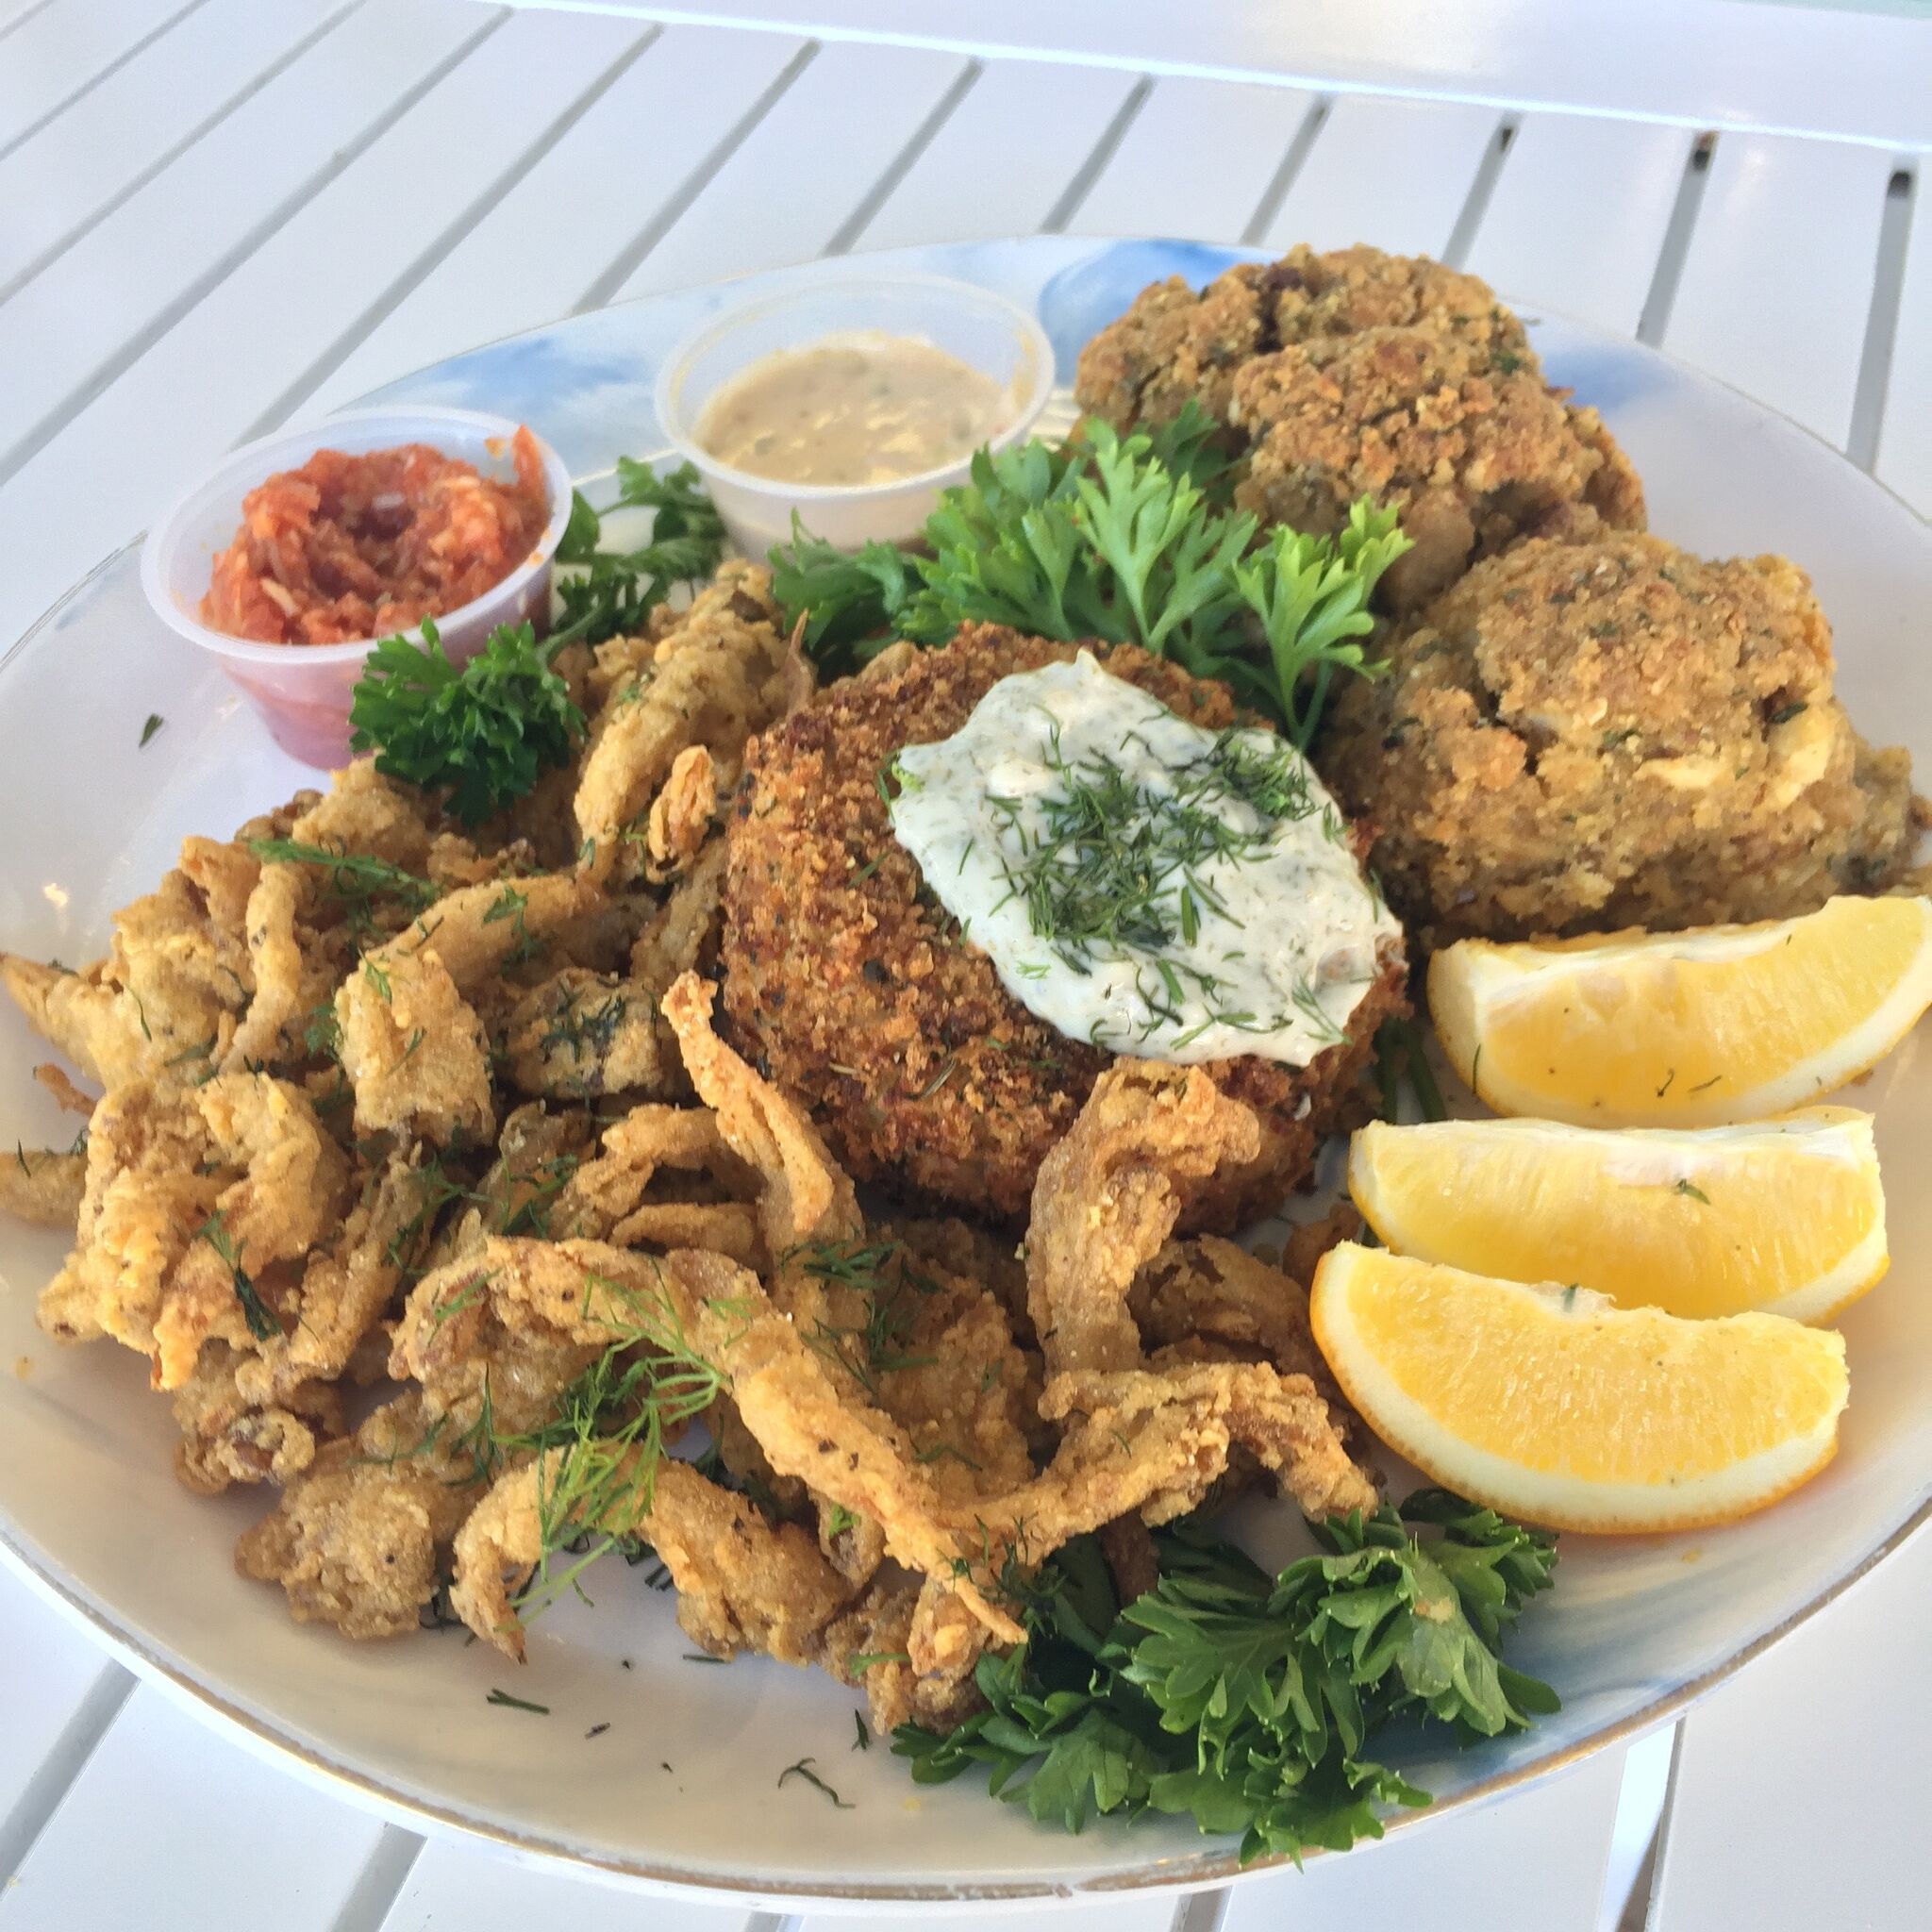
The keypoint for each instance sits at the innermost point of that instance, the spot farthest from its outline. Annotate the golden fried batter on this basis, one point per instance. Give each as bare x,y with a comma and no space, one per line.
43,1186
580,1035
1108,1196
228,1438
681,816
715,677
742,1583
196,1204
358,1539
1582,737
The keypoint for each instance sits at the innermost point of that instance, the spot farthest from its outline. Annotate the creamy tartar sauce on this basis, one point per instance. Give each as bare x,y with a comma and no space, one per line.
1162,891
861,408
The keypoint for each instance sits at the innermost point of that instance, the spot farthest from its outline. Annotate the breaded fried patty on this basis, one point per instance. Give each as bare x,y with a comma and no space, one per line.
847,982
1176,344
1581,736
1356,373
1471,449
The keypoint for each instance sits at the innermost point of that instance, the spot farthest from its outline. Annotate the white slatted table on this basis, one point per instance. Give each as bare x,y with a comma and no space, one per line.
215,215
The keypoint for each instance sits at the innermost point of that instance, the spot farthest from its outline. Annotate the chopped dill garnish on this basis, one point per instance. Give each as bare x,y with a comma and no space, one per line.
585,1029
355,880
612,1424
254,1311
863,1739
804,1769
881,1272
155,722
510,1703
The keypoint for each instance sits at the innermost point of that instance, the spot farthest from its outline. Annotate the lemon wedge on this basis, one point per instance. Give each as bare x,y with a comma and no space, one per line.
1552,1405
1787,1216
1733,1022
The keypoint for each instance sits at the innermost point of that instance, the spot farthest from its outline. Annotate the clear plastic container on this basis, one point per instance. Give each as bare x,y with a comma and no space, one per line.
984,330
303,691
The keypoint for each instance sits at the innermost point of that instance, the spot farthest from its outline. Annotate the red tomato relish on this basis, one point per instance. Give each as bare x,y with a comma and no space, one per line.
349,547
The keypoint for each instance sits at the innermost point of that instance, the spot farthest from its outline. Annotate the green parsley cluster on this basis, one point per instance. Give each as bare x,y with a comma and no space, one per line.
1128,539
1247,1701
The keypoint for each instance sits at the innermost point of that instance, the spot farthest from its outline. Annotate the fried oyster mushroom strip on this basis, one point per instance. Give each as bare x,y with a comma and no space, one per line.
362,1538
228,1438
199,1208
222,965
1106,1200
715,677
414,1047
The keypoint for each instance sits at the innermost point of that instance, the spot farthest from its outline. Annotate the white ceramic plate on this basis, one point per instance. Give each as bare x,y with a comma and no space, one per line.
682,1787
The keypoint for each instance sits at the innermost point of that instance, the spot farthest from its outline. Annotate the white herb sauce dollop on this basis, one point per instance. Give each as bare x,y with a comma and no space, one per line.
1159,890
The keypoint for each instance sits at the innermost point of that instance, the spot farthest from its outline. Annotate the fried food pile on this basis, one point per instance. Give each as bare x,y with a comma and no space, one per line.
435,1202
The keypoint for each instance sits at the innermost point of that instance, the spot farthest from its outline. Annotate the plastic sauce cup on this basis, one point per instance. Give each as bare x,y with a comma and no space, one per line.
303,691
984,330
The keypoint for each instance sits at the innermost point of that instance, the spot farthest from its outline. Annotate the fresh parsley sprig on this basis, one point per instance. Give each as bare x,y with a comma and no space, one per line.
1311,595
1127,540
483,733
612,592
1247,1701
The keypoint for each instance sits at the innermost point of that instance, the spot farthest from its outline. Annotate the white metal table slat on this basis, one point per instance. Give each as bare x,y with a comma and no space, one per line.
534,253
51,1669
455,1887
1392,171
57,178
51,56
1195,162
1905,436
1807,69
1776,286
228,364
853,110
148,259
1003,158
118,1851
1803,1786
1455,1862
1578,215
